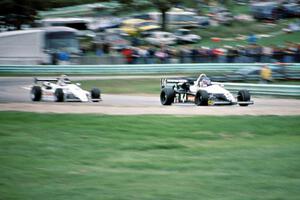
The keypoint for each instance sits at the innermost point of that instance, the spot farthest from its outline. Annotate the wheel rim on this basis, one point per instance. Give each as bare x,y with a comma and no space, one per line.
32,96
163,97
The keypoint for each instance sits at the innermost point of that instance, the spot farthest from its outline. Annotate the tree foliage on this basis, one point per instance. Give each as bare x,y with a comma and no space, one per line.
18,12
163,6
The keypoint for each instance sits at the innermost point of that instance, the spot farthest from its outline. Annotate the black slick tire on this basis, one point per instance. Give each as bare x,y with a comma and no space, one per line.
36,93
167,96
201,98
243,95
59,95
95,94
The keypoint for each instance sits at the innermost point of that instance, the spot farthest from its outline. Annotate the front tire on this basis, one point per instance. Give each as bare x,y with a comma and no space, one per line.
36,93
59,95
95,94
243,95
201,98
167,96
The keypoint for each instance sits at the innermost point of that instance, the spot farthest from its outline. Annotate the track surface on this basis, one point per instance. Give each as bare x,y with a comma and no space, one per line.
14,96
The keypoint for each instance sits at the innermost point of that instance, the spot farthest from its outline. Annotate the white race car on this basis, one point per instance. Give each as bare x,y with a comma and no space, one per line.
201,91
61,89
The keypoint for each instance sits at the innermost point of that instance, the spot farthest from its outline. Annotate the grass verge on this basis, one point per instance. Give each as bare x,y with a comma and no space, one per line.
139,86
125,86
53,156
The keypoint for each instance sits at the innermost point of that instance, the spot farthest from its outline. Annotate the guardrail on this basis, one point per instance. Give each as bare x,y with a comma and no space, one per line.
132,69
265,89
256,89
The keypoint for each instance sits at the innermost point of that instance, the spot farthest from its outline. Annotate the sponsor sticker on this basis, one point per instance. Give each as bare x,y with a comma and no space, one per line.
211,102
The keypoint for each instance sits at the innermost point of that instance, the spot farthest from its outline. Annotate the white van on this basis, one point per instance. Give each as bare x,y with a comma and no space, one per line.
37,46
82,25
178,18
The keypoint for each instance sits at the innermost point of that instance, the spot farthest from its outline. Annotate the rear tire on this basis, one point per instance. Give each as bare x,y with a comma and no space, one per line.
243,95
201,98
95,94
167,96
36,93
59,94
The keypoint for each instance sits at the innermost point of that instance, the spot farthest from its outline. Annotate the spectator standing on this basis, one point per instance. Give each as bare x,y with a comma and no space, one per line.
184,54
151,56
241,52
173,54
144,54
127,53
161,55
135,55
257,53
289,53
63,58
297,54
278,54
106,48
194,55
231,54
266,54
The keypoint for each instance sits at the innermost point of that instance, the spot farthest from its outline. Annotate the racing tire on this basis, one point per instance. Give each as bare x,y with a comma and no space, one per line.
36,93
243,95
95,94
167,96
59,95
201,98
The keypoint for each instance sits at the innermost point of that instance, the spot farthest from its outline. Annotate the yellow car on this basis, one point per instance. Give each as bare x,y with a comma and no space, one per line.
135,26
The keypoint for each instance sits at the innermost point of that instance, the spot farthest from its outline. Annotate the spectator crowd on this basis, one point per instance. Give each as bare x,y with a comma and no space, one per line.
252,53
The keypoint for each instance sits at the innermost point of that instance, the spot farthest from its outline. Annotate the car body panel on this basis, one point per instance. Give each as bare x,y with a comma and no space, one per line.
71,92
186,90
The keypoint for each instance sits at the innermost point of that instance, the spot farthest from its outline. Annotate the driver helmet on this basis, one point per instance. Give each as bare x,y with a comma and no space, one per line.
64,80
206,81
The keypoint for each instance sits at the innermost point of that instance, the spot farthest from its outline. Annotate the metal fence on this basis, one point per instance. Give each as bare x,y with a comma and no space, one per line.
265,89
115,59
292,71
135,69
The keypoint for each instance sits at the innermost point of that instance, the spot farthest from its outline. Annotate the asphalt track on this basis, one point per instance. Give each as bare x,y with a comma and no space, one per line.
14,96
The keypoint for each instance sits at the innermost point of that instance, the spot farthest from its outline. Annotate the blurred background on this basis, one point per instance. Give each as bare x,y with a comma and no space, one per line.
149,31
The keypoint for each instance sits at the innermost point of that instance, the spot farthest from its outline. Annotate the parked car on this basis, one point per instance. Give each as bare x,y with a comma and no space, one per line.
136,26
185,36
161,38
291,10
221,15
82,25
114,40
178,18
265,10
203,21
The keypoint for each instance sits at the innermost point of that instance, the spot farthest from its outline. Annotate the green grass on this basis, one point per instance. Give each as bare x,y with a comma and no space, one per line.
245,28
140,86
55,156
125,86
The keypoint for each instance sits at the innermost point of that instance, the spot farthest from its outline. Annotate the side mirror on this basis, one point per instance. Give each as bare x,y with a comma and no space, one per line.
78,84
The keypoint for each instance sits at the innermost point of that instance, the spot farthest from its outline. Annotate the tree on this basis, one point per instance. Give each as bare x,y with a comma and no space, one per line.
18,12
164,6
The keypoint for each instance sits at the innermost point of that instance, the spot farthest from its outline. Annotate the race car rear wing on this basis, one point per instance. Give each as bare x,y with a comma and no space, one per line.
170,82
36,80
